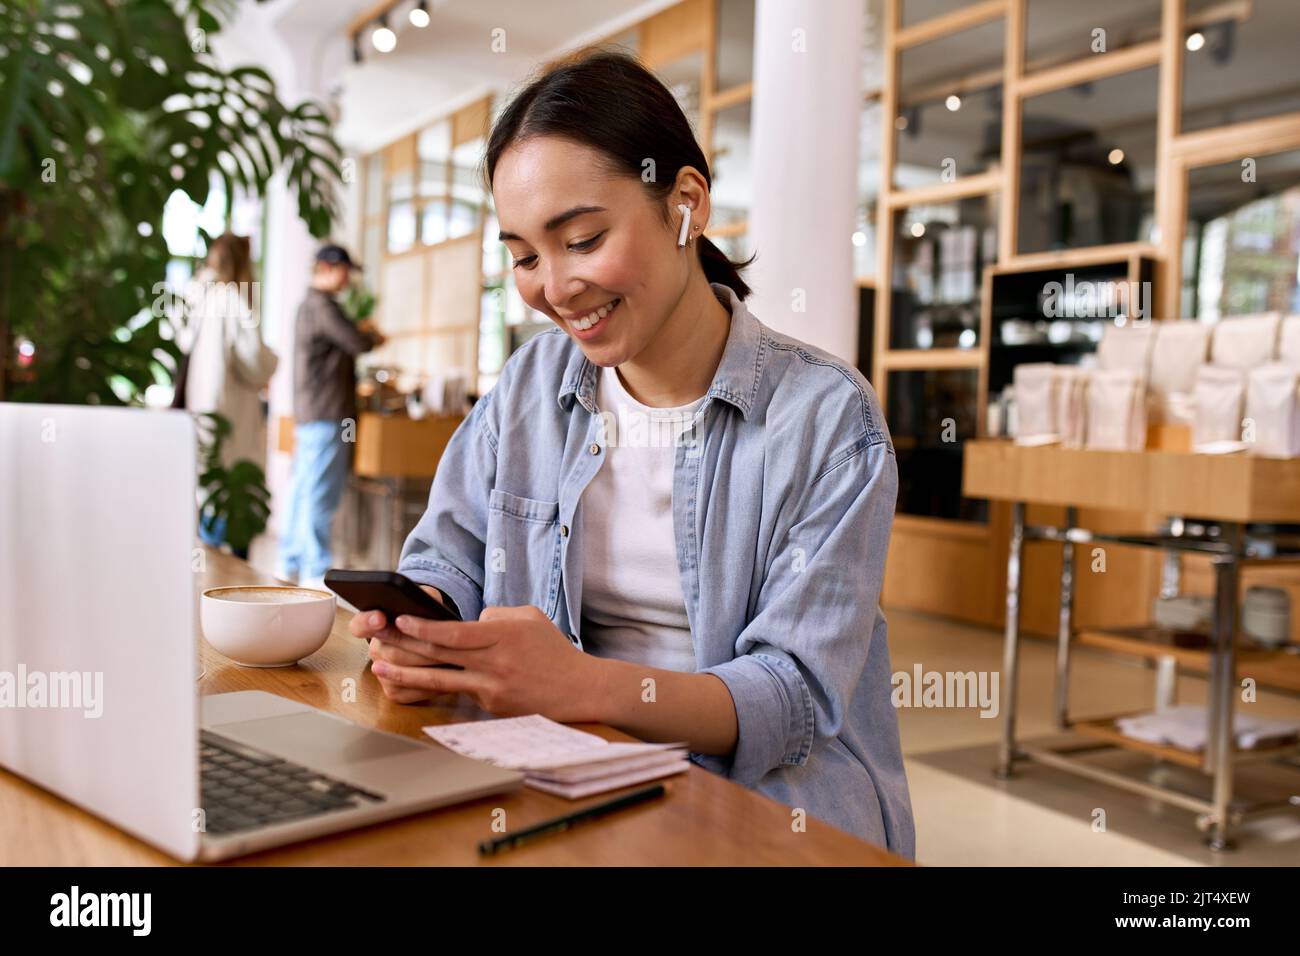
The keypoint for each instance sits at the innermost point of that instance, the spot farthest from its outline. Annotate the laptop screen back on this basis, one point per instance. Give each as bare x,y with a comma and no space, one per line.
98,572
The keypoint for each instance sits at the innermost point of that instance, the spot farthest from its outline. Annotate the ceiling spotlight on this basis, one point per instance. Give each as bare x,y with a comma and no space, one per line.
900,123
1116,156
420,14
1226,42
953,103
918,229
1195,40
384,39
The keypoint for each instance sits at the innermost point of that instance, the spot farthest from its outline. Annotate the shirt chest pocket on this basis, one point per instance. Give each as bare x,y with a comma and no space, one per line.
523,552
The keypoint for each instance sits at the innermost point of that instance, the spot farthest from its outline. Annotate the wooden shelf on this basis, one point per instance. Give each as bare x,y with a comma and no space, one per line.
1105,729
1269,667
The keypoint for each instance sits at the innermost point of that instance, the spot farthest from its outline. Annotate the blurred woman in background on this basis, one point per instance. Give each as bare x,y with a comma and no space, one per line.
229,364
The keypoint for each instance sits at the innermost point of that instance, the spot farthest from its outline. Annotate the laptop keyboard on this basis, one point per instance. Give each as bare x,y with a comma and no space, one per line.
243,788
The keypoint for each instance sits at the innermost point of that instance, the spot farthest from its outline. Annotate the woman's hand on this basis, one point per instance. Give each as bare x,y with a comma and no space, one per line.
383,640
379,651
515,660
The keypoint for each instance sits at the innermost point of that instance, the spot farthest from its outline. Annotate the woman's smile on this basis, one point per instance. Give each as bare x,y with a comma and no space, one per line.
589,324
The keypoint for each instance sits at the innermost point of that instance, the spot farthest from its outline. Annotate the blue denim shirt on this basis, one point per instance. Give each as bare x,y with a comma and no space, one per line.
783,499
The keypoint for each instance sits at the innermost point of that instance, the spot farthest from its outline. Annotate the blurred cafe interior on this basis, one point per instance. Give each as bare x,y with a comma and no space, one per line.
1061,240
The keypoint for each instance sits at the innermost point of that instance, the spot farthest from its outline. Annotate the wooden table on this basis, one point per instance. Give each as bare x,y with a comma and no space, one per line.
1227,491
704,819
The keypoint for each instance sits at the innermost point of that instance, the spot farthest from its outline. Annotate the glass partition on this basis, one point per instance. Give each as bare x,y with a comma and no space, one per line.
1059,31
931,413
949,121
940,253
735,48
1088,164
1241,251
918,11
732,187
1239,62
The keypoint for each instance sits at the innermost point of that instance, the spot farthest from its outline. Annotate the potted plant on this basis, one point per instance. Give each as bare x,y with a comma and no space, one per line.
106,108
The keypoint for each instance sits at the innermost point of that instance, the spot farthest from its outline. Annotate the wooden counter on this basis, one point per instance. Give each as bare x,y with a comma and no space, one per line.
1227,487
390,446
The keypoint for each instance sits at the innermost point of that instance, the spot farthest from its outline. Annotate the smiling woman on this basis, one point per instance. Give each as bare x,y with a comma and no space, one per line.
720,588
596,175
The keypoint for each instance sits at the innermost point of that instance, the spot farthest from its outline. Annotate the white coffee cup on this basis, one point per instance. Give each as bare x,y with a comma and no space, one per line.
266,626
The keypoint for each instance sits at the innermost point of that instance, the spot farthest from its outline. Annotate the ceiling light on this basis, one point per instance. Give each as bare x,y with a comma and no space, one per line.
384,39
1195,40
918,229
420,15
1116,156
953,102
1225,43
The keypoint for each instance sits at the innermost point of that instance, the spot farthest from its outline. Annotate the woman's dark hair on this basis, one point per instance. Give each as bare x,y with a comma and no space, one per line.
610,102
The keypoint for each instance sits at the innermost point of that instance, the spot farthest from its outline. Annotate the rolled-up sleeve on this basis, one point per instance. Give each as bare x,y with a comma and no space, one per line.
446,548
800,660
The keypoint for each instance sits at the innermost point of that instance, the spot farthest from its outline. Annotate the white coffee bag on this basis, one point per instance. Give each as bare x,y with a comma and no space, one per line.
1272,424
1220,396
1036,385
1288,341
1072,404
1126,347
1246,341
1117,410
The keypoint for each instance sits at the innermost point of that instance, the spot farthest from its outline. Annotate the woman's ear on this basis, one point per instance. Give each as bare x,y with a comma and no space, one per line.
690,190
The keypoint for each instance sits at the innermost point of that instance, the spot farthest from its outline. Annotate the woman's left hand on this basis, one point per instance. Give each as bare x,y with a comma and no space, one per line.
515,660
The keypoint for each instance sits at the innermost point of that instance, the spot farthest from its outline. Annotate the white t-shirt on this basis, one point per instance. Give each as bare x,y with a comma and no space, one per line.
632,604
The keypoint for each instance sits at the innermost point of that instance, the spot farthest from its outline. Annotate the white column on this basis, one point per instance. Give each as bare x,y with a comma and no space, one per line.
287,274
807,103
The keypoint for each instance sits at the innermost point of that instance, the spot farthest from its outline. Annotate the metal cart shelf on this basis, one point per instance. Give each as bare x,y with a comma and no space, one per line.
1230,495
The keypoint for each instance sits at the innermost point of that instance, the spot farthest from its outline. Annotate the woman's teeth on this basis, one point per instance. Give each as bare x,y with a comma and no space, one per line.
591,318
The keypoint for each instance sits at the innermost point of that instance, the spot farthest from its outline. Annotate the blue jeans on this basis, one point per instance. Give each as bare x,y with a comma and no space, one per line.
213,534
320,470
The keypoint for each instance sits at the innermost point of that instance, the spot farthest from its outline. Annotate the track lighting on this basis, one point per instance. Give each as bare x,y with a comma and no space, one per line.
383,39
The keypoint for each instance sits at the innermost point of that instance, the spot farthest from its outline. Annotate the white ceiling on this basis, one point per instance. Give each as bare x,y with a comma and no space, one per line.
432,70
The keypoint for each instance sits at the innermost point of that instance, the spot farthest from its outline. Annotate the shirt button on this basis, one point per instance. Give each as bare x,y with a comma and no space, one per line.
564,531
594,449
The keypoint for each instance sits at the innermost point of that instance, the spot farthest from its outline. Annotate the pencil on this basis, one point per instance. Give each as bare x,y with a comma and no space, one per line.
570,820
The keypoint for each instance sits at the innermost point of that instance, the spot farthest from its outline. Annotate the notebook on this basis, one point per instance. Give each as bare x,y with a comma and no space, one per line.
558,759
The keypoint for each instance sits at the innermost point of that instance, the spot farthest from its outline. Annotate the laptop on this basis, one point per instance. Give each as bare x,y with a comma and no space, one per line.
98,658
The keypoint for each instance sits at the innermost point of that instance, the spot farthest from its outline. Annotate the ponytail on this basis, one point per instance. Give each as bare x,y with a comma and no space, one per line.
718,268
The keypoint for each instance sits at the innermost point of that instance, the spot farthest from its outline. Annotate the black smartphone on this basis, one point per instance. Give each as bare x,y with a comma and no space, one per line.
394,594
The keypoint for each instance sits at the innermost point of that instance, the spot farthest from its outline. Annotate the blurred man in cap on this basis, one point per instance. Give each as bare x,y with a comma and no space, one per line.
326,345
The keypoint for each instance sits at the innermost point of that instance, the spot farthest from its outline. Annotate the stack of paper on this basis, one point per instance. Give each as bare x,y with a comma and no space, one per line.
558,759
1188,727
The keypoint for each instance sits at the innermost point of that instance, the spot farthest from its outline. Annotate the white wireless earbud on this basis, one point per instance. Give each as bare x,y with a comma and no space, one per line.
685,210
